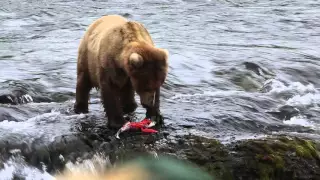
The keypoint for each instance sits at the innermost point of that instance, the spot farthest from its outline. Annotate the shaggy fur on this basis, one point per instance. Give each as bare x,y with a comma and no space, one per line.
119,58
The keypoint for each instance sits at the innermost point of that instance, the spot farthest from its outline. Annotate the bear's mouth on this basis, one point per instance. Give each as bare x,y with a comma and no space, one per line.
148,99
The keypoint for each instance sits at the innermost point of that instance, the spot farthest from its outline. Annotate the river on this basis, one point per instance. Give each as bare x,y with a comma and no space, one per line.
238,69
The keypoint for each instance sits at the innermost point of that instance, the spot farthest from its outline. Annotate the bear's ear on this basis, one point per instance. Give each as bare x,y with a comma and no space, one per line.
135,60
166,52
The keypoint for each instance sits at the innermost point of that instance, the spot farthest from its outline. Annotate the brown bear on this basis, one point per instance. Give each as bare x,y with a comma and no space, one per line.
118,57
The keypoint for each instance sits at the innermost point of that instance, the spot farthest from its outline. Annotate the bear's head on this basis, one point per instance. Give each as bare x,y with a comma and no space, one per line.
147,67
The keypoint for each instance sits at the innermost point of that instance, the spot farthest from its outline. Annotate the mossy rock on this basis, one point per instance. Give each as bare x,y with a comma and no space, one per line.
266,159
209,154
277,158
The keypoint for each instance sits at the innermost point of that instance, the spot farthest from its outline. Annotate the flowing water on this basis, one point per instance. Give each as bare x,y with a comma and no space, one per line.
238,69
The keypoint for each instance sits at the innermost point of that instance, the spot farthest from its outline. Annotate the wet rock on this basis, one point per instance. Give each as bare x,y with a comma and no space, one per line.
16,97
257,69
280,157
64,148
39,99
127,15
246,79
61,96
188,125
18,177
276,158
285,112
22,97
271,158
7,99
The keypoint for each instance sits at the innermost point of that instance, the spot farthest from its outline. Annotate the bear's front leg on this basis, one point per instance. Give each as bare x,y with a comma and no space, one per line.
82,93
128,102
151,102
112,106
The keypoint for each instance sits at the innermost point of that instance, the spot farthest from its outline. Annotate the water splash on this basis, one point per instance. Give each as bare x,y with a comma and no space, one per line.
16,167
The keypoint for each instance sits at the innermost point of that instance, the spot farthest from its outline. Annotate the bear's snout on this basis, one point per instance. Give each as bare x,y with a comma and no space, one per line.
147,98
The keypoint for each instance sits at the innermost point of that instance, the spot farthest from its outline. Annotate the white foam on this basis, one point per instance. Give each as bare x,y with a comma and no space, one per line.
17,166
14,24
243,136
301,95
305,100
206,94
294,87
26,98
6,14
47,126
299,120
96,165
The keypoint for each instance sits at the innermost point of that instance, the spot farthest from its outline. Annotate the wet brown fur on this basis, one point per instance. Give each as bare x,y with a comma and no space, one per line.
103,63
